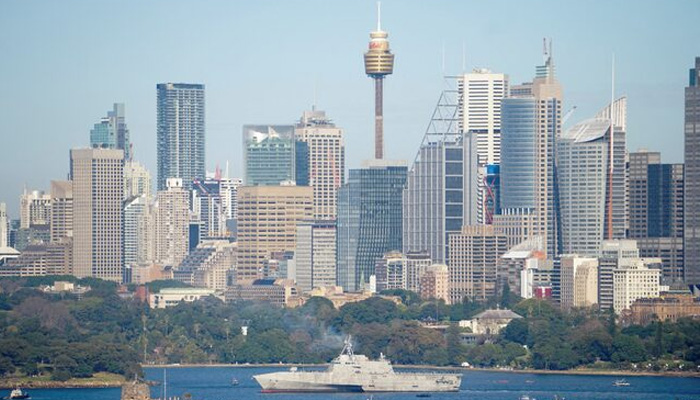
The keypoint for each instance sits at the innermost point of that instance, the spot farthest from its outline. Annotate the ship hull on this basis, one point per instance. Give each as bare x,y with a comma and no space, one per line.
300,382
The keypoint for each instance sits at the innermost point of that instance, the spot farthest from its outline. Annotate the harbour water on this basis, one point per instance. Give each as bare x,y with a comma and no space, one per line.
215,383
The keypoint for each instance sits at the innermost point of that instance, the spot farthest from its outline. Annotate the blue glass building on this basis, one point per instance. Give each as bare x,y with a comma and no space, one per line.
369,220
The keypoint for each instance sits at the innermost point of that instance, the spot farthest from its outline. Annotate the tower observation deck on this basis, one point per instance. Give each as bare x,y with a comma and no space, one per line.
379,62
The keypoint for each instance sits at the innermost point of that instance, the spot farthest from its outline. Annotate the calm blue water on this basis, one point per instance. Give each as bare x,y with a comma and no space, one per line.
215,384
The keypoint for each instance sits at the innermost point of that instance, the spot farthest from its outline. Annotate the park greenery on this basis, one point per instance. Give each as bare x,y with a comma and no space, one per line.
61,335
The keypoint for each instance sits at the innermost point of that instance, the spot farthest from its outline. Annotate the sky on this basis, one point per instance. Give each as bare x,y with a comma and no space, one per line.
64,63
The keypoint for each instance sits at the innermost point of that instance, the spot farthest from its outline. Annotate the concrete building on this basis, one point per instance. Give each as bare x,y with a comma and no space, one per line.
691,230
579,281
208,207
434,283
98,190
391,271
326,160
489,322
34,208
180,132
278,292
111,132
521,266
474,255
139,231
171,297
530,122
61,221
633,281
267,223
668,307
268,154
613,254
369,221
209,265
315,254
417,264
172,224
137,180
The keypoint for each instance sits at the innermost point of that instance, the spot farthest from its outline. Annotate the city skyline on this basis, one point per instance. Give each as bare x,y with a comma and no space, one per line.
247,92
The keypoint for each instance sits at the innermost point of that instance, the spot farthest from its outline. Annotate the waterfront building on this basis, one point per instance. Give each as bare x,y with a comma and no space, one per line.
369,220
98,190
180,132
326,160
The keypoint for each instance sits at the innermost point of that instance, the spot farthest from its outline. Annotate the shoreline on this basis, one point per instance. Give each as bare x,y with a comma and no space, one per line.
587,371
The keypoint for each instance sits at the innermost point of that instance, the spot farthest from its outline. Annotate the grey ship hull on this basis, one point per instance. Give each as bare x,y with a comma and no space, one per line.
324,381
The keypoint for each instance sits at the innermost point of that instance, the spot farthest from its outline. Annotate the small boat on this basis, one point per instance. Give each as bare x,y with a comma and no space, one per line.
621,382
234,382
526,397
17,394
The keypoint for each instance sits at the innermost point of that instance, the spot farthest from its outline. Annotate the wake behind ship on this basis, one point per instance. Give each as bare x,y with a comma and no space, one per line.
351,372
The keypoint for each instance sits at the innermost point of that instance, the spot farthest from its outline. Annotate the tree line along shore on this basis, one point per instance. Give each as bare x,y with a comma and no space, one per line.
56,338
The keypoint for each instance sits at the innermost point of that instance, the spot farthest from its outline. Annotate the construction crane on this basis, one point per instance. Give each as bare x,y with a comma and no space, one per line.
568,115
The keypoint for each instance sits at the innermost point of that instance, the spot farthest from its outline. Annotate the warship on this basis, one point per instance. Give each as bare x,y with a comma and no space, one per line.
351,372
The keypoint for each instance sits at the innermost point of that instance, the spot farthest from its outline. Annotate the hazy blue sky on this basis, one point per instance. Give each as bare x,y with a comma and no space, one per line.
63,64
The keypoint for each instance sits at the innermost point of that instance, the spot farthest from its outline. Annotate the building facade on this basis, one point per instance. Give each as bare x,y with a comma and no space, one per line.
434,283
326,160
268,154
111,132
98,190
315,254
180,132
579,281
172,219
691,230
369,220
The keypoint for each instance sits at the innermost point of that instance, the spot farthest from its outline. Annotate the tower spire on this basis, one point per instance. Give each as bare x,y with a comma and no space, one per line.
379,16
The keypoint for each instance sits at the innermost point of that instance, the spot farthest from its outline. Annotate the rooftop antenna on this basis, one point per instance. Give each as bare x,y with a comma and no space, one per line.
226,169
313,106
464,57
379,16
611,158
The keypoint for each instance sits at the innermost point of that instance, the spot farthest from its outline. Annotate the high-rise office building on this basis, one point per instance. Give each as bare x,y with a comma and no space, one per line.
434,284
691,230
480,94
530,122
61,210
98,190
391,271
267,223
34,208
590,188
656,212
326,160
613,254
634,280
315,254
369,220
268,154
172,220
4,226
417,263
474,256
379,62
441,192
208,207
111,132
137,180
180,132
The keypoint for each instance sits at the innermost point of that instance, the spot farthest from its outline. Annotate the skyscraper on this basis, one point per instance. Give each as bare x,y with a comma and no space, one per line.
137,231
111,132
530,122
441,190
369,221
172,218
61,210
137,180
268,154
180,132
692,177
267,223
326,160
4,226
98,190
34,208
589,189
379,62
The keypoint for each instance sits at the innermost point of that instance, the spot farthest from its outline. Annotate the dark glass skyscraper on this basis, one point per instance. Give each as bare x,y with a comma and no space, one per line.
111,132
180,132
692,177
369,220
268,154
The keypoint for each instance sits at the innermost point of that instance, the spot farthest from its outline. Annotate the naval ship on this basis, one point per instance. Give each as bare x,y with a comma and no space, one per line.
351,372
